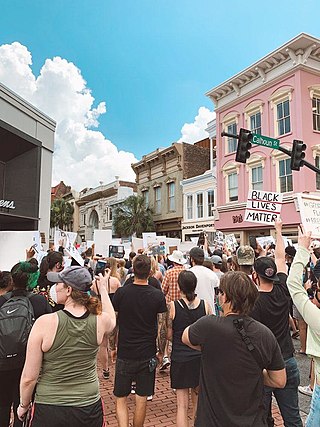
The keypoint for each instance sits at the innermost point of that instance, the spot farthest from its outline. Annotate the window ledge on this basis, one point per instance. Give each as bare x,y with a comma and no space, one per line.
284,135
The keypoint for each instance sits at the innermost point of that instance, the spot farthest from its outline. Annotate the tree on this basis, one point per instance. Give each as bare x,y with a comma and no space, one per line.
61,214
133,217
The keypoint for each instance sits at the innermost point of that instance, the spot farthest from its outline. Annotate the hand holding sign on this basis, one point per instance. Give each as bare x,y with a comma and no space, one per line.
304,238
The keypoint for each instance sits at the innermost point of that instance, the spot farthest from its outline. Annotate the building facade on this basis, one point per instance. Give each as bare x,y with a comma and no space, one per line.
278,96
27,144
96,204
158,178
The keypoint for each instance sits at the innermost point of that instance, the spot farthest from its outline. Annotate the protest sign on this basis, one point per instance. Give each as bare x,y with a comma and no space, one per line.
263,207
310,213
264,241
149,240
231,242
71,250
116,251
13,245
218,239
102,240
137,243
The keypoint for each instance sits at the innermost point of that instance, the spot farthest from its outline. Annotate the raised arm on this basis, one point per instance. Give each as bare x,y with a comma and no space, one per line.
108,314
280,258
309,312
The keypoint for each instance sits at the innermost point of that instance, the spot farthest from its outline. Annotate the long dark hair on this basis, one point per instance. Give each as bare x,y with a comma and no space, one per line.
48,263
5,279
187,282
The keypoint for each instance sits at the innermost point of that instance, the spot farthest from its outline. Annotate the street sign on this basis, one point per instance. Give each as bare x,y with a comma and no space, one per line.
266,141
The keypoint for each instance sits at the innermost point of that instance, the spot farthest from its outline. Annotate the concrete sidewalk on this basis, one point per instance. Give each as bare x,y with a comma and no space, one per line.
161,411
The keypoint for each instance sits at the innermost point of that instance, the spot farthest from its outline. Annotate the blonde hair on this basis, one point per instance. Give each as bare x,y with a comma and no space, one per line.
113,267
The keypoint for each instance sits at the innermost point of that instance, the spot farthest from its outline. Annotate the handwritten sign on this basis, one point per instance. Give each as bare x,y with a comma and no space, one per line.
263,206
310,213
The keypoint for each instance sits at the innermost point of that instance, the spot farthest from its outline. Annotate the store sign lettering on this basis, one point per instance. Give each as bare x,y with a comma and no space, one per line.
191,227
7,204
237,219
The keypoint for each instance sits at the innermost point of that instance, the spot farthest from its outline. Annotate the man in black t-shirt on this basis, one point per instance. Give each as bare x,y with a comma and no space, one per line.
239,355
138,306
272,309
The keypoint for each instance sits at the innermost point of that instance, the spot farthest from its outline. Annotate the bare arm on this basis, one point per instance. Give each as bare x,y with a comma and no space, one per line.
162,331
275,379
170,317
186,341
207,308
32,365
108,314
279,253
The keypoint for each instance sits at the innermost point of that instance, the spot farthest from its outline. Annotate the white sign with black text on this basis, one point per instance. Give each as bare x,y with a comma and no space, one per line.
310,213
263,206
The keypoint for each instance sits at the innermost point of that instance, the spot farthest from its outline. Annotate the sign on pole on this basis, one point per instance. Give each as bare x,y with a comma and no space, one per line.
263,206
265,141
310,213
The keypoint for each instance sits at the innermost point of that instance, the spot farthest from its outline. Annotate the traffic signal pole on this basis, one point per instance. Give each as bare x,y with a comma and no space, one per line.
283,150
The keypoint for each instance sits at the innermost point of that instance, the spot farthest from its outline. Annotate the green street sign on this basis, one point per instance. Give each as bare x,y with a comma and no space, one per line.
266,141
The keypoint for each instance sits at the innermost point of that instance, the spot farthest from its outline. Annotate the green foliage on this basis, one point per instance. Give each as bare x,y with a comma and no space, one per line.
132,217
61,214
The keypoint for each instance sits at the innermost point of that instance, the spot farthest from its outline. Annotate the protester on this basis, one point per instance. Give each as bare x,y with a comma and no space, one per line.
311,314
64,346
129,262
14,330
207,280
6,283
185,362
138,306
217,265
122,271
239,355
245,259
171,291
272,309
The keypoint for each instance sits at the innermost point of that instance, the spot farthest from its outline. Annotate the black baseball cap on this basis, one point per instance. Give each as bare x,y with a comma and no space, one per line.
266,267
197,253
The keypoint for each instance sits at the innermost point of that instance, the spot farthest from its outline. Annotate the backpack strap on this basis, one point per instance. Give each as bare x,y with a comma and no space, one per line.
239,324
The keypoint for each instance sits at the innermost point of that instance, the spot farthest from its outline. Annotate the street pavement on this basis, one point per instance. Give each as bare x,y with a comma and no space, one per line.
161,410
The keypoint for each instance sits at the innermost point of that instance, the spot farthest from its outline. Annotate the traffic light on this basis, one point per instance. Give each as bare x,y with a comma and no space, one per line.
244,145
297,155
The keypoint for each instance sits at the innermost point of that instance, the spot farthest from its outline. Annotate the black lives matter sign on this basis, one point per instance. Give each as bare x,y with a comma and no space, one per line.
263,206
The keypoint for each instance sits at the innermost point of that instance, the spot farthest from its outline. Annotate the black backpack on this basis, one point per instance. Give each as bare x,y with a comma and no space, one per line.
16,321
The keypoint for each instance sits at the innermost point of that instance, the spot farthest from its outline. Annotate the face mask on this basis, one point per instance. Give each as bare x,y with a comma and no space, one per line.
53,293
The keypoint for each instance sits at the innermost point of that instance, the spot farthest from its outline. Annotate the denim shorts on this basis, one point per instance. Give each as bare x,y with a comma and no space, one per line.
142,372
313,419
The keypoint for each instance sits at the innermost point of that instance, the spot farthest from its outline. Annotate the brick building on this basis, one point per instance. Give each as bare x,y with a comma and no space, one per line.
158,178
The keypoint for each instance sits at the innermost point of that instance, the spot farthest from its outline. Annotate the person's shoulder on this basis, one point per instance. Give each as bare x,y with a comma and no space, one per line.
259,328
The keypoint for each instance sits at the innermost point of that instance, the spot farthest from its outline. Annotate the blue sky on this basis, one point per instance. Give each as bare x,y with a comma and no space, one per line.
151,61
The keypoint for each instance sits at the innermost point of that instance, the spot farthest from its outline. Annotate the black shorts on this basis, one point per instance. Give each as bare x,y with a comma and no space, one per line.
67,416
185,374
142,372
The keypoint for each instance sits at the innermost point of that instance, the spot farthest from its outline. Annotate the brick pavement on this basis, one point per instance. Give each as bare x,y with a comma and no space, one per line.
161,411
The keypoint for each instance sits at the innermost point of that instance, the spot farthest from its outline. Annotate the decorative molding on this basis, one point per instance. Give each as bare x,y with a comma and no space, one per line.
314,90
282,93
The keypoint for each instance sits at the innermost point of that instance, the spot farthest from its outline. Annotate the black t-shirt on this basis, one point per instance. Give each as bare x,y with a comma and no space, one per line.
152,281
39,303
231,382
272,309
137,307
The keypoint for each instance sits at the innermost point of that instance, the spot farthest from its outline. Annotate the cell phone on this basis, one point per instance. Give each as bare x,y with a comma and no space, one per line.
100,267
253,242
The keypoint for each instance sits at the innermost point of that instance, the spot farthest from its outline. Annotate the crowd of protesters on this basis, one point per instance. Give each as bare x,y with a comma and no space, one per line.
221,321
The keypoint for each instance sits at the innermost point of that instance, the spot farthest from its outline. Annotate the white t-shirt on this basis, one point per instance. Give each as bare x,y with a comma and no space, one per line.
207,280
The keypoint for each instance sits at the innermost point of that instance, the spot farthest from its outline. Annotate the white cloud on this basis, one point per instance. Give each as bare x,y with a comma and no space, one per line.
83,156
193,132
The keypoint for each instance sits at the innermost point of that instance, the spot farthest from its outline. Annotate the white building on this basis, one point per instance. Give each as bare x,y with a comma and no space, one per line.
27,144
96,204
199,196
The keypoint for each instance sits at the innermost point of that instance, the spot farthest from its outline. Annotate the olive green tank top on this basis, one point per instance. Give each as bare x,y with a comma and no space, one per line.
69,372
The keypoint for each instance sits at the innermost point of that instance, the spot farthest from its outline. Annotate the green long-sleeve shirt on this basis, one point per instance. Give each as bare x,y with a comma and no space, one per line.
309,312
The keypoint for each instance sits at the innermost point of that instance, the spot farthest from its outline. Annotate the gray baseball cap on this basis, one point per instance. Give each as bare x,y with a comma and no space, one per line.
245,255
76,276
216,260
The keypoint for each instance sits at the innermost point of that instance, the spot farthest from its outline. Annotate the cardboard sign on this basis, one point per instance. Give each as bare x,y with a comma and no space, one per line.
310,213
264,241
218,239
263,207
149,240
72,251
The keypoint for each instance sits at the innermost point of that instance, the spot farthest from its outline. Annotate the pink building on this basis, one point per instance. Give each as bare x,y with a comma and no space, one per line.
278,96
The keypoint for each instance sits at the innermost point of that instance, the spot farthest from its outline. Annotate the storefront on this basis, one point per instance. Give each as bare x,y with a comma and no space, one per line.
27,138
193,229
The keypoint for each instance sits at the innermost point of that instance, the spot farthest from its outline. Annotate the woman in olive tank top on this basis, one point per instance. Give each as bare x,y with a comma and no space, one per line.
64,346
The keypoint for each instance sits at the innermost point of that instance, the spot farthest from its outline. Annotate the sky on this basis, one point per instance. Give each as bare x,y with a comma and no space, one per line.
122,78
